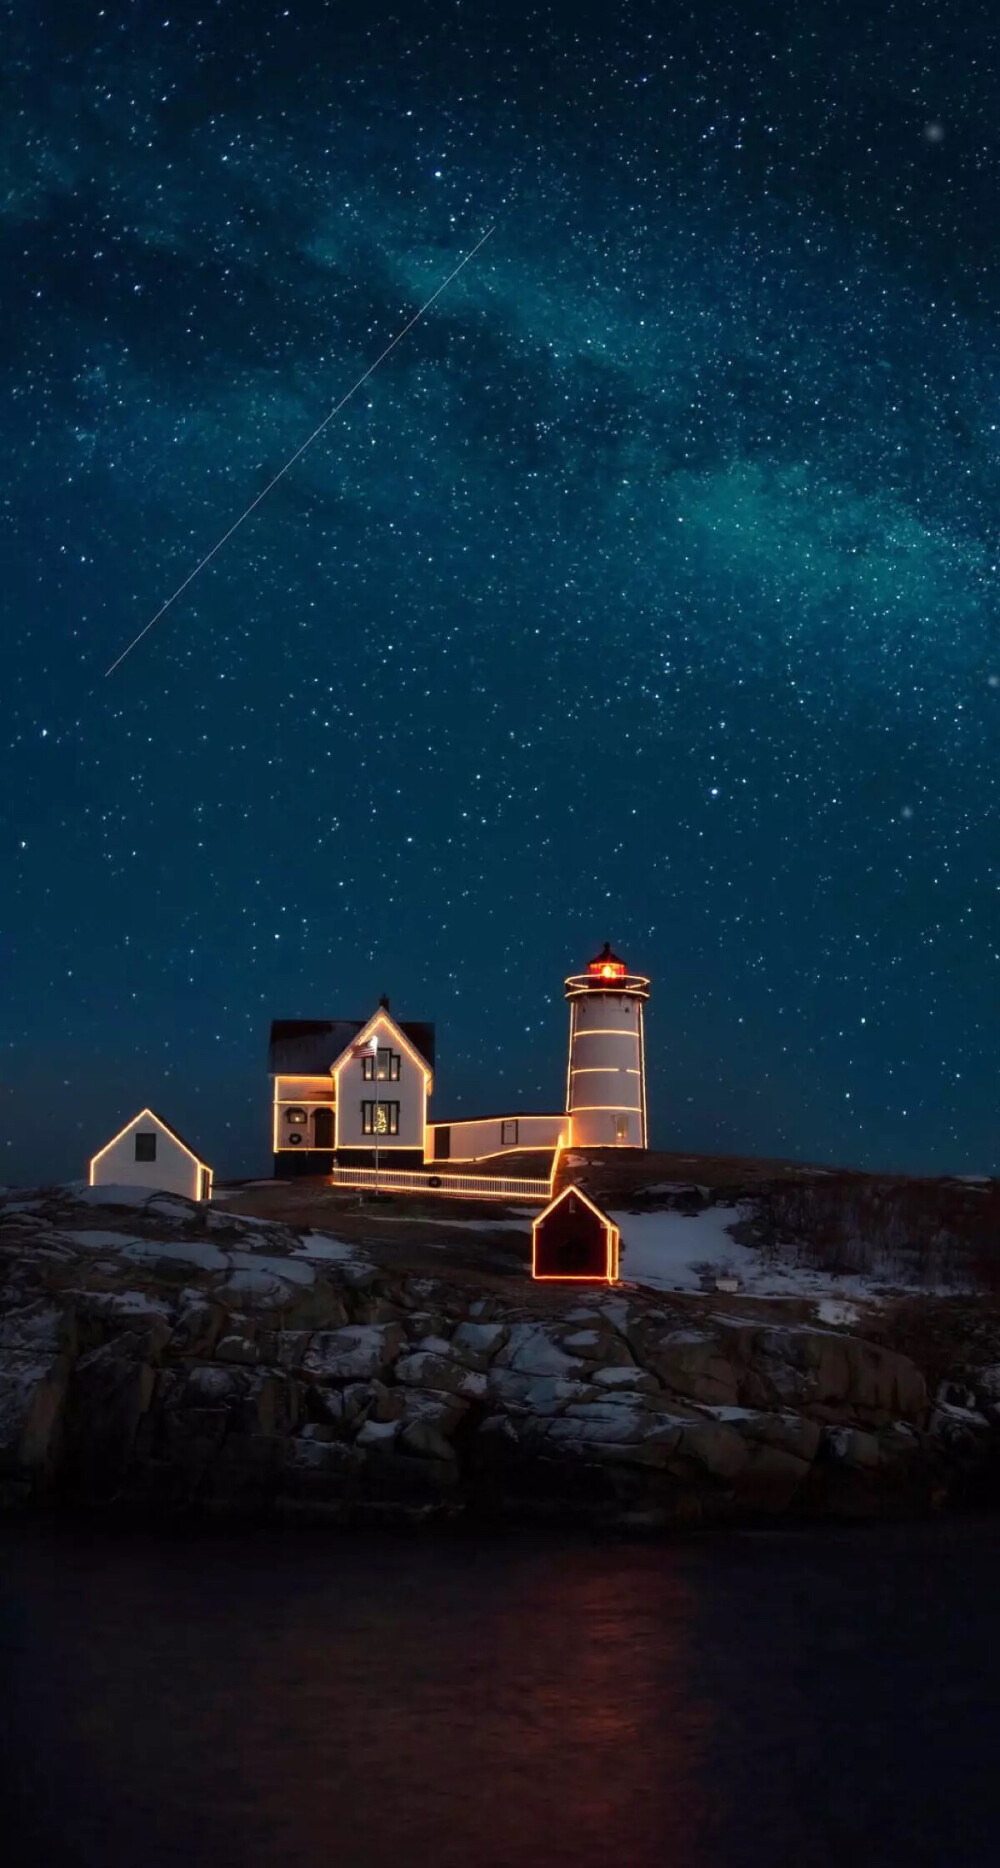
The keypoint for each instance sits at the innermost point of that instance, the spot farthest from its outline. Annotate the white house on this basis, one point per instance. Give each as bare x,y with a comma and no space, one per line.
147,1152
342,1087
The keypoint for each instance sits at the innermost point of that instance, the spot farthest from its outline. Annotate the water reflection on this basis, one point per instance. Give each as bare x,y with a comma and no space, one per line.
493,1707
361,1704
250,1700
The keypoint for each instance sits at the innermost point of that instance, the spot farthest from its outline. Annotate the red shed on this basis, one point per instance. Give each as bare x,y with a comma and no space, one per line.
573,1240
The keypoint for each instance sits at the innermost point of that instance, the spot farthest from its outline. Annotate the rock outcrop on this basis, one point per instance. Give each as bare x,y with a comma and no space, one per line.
188,1362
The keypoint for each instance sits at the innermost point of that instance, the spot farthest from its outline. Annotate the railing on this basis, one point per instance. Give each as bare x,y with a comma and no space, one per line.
464,1186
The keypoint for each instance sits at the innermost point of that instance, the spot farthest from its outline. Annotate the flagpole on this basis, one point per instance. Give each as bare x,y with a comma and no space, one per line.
374,1045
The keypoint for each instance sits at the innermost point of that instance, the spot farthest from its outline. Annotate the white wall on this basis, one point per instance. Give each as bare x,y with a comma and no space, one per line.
173,1171
606,1070
409,1092
473,1141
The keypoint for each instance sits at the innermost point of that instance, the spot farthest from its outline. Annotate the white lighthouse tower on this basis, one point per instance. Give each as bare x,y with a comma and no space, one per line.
606,1080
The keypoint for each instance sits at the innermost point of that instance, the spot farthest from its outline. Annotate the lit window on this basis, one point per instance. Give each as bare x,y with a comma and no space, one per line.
388,1067
621,1128
296,1115
380,1118
145,1144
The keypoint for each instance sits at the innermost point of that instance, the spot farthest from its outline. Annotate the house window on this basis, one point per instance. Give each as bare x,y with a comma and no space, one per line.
145,1144
388,1067
297,1116
380,1118
508,1134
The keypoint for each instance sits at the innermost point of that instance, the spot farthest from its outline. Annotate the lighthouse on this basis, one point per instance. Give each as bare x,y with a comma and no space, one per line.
606,1078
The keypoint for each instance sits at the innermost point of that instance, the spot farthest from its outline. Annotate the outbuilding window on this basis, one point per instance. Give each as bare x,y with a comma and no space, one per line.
145,1144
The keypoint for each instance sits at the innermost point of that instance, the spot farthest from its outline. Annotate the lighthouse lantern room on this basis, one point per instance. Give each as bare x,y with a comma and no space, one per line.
606,1078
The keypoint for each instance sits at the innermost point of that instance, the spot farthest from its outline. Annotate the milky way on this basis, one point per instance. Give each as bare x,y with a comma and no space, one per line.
647,592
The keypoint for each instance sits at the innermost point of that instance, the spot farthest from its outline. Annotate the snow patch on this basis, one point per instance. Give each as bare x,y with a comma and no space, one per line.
185,1251
834,1310
321,1246
668,1250
97,1241
113,1194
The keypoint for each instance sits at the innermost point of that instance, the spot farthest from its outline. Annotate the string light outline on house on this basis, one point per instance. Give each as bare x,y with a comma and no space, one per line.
612,1239
327,419
206,1174
363,1042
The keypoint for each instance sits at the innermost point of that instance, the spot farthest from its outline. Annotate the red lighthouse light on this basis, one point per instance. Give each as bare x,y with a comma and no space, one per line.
607,965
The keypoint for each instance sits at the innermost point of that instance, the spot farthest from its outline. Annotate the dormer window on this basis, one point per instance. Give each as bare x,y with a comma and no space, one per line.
388,1066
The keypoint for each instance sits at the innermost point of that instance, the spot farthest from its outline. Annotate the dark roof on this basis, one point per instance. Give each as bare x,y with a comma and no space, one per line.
306,1047
606,957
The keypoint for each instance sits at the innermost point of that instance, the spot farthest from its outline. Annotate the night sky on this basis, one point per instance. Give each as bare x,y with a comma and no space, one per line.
647,592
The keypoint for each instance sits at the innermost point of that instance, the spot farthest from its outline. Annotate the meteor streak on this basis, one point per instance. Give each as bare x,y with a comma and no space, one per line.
372,367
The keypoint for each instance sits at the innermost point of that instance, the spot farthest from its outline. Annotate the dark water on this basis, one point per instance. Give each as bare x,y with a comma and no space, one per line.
252,1699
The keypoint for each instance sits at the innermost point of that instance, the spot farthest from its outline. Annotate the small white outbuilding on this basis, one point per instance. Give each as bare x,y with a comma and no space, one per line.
147,1152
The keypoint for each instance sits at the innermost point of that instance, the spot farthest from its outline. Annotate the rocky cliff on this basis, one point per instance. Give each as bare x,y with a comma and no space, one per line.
163,1358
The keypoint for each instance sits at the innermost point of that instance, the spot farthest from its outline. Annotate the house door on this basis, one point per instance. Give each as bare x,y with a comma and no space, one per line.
322,1128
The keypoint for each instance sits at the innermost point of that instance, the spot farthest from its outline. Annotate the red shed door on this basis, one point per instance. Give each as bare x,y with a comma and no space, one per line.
571,1242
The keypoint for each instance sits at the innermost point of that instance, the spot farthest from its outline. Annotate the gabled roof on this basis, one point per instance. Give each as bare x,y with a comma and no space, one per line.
572,1188
309,1047
171,1131
383,1017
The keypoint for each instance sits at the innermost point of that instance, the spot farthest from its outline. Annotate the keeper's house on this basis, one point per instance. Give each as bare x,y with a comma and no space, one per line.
343,1086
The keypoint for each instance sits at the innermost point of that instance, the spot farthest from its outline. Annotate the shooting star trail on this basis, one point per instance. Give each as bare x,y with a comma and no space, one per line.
372,367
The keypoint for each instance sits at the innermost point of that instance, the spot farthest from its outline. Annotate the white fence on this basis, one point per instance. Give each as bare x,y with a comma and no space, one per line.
464,1186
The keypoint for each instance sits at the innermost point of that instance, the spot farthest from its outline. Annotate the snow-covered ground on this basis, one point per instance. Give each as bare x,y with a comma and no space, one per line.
672,1251
320,1246
264,1258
